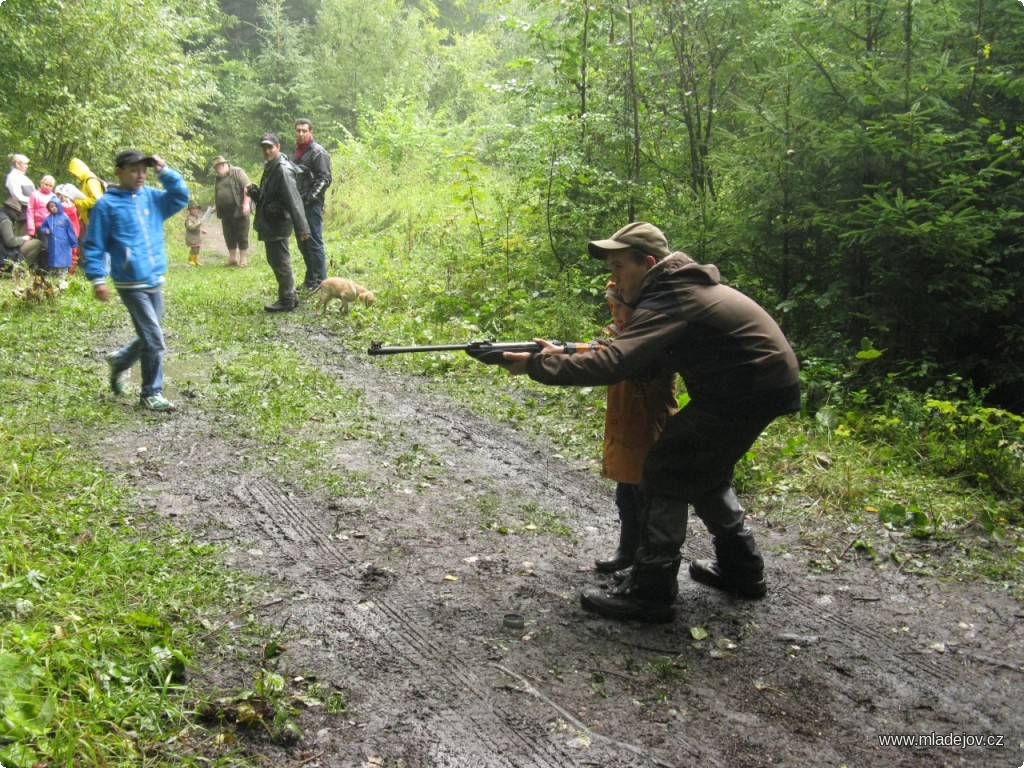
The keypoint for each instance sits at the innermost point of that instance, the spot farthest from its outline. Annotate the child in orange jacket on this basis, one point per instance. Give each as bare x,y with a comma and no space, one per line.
636,412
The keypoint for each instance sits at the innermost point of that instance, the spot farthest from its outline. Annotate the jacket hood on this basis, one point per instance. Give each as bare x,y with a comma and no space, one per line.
680,267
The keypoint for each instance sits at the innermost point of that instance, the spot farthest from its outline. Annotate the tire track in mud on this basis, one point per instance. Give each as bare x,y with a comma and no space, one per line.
810,610
500,735
509,452
882,667
420,659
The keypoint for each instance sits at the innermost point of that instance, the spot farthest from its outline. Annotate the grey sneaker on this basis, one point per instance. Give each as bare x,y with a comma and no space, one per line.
157,402
117,376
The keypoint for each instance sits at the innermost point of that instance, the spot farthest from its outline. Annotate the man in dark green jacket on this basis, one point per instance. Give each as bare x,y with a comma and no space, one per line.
14,247
278,210
740,374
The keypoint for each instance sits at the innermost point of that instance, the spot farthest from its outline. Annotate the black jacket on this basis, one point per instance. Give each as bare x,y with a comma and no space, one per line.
278,205
316,172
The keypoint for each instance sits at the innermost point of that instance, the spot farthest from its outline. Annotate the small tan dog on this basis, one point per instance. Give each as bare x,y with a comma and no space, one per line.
344,290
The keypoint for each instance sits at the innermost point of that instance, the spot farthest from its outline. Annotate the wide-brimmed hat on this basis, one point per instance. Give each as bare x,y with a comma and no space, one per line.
13,203
640,235
217,161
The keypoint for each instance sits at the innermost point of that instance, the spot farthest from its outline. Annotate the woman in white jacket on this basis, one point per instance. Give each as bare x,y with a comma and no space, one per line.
19,186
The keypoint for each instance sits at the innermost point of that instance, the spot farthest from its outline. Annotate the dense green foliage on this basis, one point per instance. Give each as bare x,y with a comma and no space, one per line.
81,80
855,165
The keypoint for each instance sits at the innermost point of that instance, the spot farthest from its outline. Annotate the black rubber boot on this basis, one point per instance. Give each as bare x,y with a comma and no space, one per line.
739,568
647,594
284,304
629,540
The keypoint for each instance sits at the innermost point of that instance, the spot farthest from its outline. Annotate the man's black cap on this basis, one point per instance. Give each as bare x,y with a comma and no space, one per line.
129,156
269,138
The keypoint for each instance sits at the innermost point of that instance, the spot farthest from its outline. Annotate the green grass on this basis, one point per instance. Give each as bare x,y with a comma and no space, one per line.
103,609
98,625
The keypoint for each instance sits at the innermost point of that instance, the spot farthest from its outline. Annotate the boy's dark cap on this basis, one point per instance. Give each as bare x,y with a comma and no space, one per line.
640,235
129,156
269,139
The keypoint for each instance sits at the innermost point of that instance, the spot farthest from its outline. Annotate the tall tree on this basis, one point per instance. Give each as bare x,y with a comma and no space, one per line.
80,80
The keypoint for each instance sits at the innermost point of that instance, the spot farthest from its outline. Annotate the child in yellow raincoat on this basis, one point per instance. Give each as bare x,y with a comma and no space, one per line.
92,188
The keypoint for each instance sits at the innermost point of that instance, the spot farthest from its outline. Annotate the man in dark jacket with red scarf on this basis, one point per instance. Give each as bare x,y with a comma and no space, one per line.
314,179
740,374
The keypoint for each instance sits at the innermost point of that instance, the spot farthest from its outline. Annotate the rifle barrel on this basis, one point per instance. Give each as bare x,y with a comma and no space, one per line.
378,349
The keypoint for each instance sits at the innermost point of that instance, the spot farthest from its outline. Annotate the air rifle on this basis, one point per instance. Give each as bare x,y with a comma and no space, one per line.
489,352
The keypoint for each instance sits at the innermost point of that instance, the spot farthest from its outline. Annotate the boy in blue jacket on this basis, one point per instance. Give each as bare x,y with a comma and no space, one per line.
128,224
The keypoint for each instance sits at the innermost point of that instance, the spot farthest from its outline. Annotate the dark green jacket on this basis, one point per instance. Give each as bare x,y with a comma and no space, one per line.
278,205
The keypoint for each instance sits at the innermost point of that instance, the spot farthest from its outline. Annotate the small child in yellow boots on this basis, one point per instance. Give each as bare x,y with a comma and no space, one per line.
194,233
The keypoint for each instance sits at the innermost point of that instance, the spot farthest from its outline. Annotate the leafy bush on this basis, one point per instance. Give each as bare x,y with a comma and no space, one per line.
947,431
986,445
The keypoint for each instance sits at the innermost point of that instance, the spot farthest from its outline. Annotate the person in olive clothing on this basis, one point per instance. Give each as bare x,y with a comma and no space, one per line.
15,248
232,205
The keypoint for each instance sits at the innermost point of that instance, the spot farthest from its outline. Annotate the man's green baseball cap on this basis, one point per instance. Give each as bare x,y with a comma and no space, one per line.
640,235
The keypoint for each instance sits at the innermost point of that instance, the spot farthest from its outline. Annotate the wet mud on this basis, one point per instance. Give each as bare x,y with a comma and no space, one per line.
391,591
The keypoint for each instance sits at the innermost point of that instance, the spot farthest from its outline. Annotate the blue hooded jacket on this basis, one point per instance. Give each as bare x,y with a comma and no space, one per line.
129,225
60,236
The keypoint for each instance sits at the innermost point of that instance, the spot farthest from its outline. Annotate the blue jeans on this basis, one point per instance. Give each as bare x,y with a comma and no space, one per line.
146,309
312,249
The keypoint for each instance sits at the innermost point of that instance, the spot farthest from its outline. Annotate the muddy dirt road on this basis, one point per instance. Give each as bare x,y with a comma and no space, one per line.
393,593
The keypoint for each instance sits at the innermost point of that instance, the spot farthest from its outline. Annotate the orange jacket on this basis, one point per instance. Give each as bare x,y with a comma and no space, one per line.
635,414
